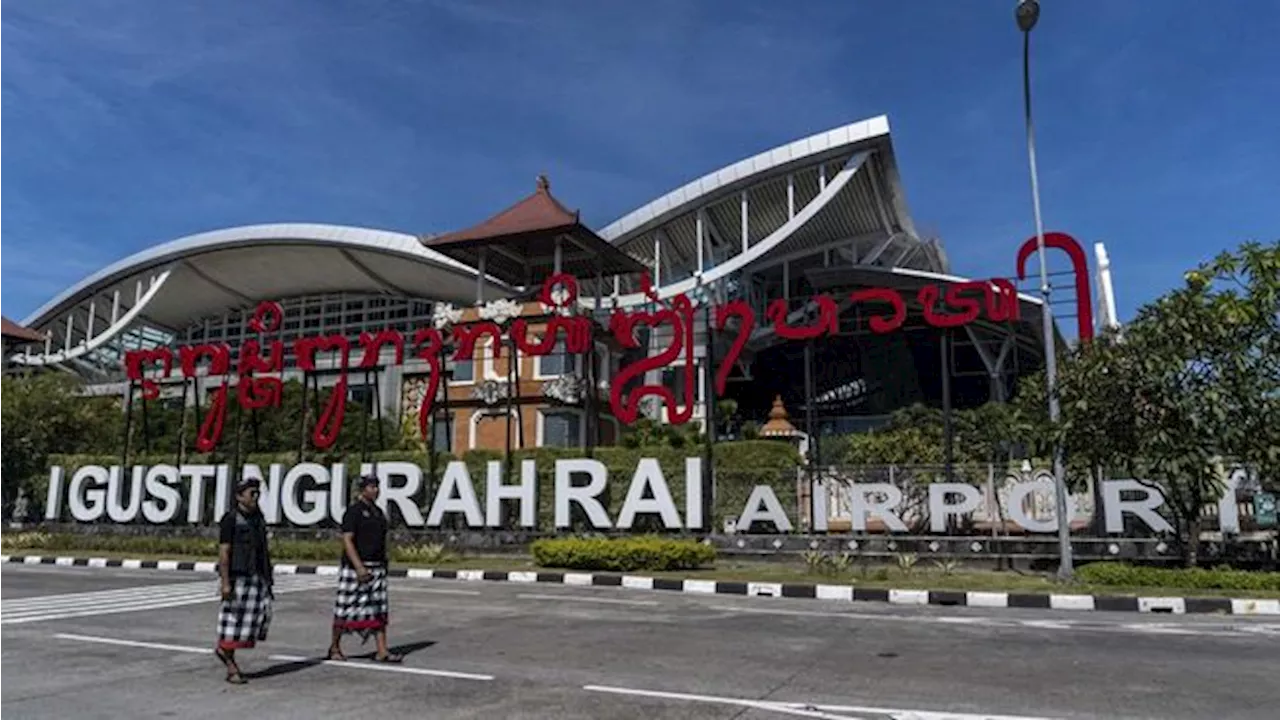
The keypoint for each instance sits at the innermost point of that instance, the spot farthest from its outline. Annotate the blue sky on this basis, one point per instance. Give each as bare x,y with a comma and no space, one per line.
129,124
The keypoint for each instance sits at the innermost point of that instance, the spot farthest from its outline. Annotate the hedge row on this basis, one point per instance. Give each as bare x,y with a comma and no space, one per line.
739,466
1121,574
622,554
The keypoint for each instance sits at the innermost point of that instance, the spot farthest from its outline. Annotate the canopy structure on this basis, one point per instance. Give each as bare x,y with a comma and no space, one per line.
148,298
833,199
532,239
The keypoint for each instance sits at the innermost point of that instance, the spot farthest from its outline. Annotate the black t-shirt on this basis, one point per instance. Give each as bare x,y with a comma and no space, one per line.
369,525
247,536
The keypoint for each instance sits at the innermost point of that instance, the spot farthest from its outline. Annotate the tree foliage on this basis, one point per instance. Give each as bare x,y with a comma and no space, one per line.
1192,383
45,413
42,414
994,432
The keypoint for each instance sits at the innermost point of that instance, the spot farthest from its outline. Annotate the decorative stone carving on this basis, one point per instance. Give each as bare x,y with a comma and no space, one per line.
560,296
500,311
21,507
445,314
651,407
491,392
568,388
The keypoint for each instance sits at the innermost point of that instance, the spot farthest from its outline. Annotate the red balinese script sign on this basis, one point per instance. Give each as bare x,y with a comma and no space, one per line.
942,306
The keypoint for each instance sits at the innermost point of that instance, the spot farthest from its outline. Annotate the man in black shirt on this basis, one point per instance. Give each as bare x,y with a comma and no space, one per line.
244,568
362,605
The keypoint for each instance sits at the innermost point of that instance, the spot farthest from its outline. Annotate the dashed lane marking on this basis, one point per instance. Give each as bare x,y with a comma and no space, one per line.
135,643
357,665
794,709
349,664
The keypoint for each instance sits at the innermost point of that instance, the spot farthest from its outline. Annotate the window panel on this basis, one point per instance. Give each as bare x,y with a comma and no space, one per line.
561,429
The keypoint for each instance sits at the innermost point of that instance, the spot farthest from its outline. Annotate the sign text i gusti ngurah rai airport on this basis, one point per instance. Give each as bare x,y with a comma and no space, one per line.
311,494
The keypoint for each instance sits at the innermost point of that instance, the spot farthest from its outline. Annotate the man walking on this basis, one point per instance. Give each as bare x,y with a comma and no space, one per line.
362,605
244,564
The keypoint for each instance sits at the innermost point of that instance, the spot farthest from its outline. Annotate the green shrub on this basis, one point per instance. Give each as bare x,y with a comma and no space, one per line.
1121,574
24,540
425,553
648,552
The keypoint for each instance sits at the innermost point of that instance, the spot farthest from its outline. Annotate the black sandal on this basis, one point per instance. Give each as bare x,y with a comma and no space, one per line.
233,670
390,657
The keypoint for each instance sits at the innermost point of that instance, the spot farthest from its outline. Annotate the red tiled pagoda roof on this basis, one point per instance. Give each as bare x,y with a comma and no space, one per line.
539,212
518,244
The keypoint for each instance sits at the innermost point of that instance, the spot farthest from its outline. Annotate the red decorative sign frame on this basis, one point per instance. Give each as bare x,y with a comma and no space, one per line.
943,306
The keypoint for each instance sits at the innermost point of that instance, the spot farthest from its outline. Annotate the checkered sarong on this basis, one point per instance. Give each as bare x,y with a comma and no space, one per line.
362,608
245,618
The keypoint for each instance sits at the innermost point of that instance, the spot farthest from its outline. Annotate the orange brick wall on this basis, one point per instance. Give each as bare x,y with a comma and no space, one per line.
491,430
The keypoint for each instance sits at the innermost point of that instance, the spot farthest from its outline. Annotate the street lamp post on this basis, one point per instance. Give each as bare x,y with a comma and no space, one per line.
1027,13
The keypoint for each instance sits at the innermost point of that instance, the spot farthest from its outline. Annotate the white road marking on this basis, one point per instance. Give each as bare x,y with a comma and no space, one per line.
351,664
134,643
131,599
435,591
824,712
287,658
578,598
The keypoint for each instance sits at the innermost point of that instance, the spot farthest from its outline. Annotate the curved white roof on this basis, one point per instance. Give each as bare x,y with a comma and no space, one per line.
831,144
241,265
838,188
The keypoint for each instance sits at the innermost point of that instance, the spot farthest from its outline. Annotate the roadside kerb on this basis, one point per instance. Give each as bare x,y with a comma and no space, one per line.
819,591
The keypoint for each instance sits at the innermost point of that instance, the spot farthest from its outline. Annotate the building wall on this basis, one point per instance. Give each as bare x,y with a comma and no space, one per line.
477,424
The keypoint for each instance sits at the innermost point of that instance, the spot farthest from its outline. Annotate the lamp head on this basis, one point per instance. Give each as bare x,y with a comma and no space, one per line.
1027,13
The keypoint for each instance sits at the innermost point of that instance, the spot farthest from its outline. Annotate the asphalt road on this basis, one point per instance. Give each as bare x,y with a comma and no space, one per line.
105,643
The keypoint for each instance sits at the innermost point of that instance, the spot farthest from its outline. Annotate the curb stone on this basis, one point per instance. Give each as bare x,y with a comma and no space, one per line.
986,599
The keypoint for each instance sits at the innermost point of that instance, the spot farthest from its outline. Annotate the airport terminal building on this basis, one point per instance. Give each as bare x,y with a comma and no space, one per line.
826,214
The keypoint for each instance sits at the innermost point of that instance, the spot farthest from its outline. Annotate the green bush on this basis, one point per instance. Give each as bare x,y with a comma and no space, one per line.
424,553
622,554
1121,574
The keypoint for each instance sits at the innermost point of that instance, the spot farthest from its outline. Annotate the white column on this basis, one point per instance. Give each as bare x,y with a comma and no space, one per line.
137,292
657,260
71,323
115,307
791,196
822,177
745,234
93,309
699,224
